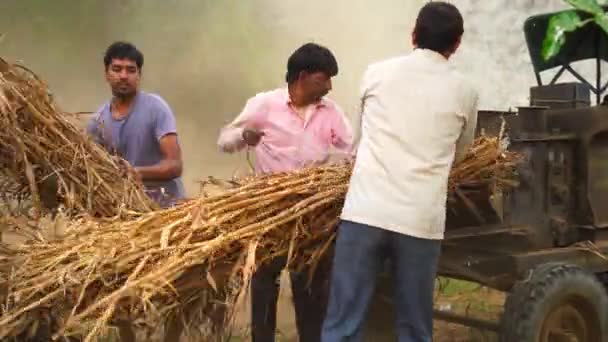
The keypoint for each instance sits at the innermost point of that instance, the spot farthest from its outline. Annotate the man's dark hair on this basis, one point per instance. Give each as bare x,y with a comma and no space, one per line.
311,58
123,50
438,27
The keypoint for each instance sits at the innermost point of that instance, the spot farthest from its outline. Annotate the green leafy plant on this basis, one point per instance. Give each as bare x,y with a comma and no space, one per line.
569,21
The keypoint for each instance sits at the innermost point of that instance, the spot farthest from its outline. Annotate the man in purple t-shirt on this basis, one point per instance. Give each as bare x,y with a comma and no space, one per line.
139,127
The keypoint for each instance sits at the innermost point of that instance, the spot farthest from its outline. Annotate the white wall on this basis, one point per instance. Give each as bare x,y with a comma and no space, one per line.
494,51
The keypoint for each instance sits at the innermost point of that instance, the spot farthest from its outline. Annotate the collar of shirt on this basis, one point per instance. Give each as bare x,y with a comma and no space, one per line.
112,106
306,112
429,55
289,102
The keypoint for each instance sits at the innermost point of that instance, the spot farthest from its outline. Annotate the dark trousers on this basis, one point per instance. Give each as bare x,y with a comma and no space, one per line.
360,253
309,302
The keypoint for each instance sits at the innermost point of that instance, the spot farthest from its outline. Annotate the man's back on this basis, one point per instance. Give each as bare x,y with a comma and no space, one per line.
415,111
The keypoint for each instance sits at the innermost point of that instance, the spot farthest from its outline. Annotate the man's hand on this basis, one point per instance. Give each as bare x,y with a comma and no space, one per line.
136,174
132,171
252,137
127,169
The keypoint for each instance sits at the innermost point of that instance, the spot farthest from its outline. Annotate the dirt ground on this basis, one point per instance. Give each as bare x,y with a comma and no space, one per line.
453,295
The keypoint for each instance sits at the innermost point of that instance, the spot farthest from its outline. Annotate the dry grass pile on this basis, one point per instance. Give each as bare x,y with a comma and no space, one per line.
43,153
145,269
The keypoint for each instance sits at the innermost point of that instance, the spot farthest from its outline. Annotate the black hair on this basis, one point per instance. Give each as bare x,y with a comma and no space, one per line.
438,27
311,57
123,50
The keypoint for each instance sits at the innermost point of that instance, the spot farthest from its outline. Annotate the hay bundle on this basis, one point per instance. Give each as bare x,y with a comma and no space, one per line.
43,154
487,163
145,269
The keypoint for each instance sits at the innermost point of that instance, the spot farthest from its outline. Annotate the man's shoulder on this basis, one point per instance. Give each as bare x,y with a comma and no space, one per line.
332,105
387,63
103,108
97,117
462,83
100,112
268,98
270,95
153,99
379,70
156,104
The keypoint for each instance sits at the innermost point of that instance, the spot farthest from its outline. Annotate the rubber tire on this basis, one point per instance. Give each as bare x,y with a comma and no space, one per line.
603,277
531,298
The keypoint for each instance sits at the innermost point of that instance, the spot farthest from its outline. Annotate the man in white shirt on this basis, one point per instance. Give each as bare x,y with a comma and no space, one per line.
417,116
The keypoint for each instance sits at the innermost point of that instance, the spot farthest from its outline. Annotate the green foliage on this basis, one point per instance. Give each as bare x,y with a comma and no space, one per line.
569,21
559,25
589,6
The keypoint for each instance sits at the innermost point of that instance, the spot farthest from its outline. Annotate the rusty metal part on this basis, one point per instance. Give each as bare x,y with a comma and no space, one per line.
571,320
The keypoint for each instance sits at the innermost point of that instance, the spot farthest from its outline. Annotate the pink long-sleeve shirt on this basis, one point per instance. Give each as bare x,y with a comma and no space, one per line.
291,140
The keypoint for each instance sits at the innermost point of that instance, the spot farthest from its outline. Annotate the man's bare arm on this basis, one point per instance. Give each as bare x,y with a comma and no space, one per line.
169,167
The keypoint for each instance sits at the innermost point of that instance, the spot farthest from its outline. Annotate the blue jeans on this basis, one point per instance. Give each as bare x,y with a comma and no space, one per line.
359,256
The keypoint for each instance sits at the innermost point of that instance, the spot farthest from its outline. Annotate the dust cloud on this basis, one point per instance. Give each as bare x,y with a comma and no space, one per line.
206,57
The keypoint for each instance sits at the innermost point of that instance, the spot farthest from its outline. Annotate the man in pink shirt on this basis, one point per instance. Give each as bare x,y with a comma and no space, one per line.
290,128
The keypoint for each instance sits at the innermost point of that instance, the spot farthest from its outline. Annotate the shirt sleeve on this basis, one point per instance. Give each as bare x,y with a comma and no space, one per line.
365,87
231,135
341,132
94,126
165,120
468,131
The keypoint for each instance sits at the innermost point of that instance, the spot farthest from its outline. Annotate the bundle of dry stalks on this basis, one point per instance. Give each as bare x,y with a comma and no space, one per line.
147,268
44,154
486,163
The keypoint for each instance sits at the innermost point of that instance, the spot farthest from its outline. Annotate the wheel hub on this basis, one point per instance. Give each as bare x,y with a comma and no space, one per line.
570,321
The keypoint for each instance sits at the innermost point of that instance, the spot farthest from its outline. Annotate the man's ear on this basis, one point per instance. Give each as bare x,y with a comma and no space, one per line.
453,49
456,44
414,41
302,75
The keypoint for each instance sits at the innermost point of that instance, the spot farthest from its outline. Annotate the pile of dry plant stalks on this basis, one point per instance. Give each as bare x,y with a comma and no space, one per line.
44,154
145,269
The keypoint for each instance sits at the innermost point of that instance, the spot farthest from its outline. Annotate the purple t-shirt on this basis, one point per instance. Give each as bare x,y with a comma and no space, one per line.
136,139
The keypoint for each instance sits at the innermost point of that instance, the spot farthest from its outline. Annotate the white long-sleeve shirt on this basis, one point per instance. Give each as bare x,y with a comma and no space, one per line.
417,114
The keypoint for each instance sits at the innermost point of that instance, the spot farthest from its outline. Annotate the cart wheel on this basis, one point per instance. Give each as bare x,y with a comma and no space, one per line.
603,277
555,303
